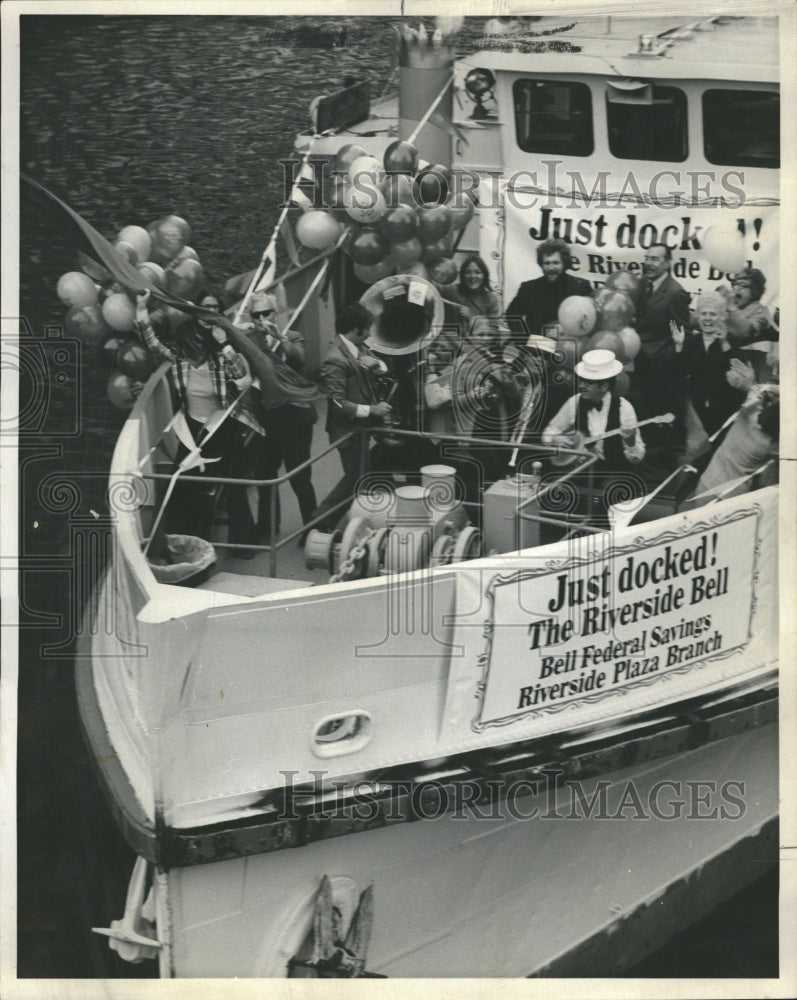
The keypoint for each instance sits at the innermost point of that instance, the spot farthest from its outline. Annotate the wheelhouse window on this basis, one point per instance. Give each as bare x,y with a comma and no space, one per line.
553,116
646,121
741,128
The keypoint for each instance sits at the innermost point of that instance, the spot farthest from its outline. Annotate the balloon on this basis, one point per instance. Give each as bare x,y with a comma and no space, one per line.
624,281
318,229
169,235
76,289
119,312
367,247
337,196
369,273
631,342
366,167
461,209
577,315
622,384
127,251
87,324
431,186
443,271
400,158
399,224
185,279
135,360
152,272
398,190
438,248
109,348
434,222
723,246
138,238
120,392
606,340
365,203
187,253
406,253
345,156
616,310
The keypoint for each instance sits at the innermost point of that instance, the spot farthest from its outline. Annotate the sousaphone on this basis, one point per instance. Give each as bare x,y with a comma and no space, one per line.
408,313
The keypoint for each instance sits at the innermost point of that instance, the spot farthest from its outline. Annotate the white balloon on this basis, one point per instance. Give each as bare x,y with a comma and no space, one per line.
723,246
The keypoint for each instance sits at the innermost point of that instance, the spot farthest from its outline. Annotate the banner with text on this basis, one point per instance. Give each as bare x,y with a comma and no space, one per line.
603,240
595,628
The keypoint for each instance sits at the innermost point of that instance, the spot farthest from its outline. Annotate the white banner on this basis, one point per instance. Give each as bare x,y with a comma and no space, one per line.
606,239
594,628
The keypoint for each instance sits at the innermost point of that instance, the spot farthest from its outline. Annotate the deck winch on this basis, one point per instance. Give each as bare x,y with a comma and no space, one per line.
411,528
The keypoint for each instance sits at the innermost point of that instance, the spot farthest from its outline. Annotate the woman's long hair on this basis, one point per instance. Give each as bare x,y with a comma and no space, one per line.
474,259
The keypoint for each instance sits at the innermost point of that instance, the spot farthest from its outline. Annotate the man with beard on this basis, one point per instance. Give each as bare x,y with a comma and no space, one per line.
537,302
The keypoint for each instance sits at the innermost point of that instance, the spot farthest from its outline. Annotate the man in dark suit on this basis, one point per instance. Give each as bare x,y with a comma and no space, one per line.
657,382
537,302
347,378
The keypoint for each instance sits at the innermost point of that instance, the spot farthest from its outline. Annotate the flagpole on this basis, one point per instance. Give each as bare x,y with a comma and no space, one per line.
315,282
430,109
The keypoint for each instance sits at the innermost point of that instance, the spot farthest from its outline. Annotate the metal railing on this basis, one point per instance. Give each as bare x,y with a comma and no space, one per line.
364,436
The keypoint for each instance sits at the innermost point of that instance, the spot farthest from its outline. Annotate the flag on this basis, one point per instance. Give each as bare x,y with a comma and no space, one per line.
279,383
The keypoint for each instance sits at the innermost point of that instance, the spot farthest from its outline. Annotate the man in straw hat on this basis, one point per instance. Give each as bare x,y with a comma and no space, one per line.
597,410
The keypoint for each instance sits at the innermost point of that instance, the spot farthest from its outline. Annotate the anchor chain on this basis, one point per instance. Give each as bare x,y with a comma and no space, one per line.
354,557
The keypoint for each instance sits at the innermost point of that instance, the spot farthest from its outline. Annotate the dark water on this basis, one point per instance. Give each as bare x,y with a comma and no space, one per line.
129,119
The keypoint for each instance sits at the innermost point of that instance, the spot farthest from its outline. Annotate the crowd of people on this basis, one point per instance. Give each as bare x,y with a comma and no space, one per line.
498,376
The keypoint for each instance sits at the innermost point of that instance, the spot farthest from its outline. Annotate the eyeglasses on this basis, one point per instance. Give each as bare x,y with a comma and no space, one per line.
263,312
210,305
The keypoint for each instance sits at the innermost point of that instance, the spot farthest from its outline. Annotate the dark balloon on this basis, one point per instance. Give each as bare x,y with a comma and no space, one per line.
401,158
399,224
434,222
407,253
624,281
431,186
135,361
87,324
443,271
436,249
398,190
120,391
367,247
606,340
615,309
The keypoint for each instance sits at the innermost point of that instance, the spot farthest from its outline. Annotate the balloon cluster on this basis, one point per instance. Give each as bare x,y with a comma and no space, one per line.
102,315
401,214
603,321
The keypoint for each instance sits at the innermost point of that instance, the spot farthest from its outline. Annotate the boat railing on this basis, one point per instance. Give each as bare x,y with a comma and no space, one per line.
459,441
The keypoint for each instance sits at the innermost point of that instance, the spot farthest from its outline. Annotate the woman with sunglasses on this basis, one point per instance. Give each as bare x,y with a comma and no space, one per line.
288,423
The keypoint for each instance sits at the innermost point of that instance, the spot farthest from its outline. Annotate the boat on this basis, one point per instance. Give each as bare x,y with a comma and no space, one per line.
465,743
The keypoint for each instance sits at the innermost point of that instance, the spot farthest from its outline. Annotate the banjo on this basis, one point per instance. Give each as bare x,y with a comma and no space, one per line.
581,441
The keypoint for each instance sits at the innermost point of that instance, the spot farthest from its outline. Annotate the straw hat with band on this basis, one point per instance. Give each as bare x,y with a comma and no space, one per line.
598,366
